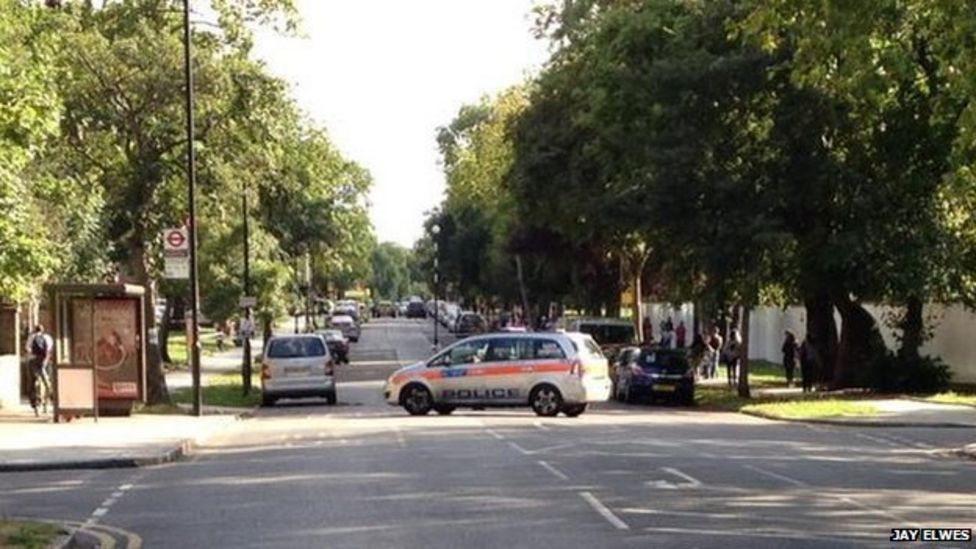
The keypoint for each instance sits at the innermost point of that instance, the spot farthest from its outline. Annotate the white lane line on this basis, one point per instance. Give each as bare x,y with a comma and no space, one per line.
521,450
880,512
559,474
879,440
117,494
784,478
539,425
400,439
109,502
604,511
692,481
125,487
495,434
99,512
708,455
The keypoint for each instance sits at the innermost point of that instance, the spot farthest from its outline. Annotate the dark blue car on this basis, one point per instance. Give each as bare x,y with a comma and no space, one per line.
655,373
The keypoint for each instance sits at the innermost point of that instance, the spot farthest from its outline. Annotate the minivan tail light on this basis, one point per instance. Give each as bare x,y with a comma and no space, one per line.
265,371
329,368
577,368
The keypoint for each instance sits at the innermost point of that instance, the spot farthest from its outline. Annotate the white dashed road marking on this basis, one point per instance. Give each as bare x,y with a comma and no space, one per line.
604,511
558,474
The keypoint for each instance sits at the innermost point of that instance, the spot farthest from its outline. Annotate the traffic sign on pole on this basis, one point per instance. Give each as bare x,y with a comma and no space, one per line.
176,254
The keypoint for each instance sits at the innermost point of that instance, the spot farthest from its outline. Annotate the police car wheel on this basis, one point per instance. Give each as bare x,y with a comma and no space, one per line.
417,400
444,410
574,410
546,401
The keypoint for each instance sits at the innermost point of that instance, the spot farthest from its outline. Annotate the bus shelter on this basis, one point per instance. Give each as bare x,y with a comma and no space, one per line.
99,361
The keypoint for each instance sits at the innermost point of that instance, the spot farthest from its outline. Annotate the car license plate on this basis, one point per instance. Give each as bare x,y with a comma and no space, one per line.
664,388
296,371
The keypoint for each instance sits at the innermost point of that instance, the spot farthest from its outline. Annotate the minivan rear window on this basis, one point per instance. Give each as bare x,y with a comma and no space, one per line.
296,347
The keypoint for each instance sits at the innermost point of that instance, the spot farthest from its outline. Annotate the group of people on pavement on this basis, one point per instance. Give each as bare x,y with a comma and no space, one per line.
710,351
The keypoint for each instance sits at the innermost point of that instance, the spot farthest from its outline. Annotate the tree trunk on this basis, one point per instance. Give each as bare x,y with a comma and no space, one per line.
860,346
156,390
744,354
164,332
912,329
823,327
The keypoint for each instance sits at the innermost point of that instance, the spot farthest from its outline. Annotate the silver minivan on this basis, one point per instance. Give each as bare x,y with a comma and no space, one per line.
297,366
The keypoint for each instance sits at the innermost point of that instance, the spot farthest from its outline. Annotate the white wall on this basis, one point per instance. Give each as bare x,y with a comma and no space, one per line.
954,338
9,381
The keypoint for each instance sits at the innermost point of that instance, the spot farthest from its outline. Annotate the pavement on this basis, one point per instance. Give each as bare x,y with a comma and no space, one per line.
108,442
896,413
364,474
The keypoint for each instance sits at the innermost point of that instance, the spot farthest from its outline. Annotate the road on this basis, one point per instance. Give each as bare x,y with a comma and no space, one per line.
363,474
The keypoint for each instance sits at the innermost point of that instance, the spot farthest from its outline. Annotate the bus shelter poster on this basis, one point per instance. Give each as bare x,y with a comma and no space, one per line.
116,355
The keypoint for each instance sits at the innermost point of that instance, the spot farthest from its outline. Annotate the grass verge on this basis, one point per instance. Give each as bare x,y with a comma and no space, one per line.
176,344
223,390
814,409
952,397
17,534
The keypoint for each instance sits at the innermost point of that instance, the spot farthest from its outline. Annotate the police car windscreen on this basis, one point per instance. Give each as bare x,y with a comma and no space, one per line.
298,347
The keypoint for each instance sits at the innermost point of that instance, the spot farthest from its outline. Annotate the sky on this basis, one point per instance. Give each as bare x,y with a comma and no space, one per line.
382,75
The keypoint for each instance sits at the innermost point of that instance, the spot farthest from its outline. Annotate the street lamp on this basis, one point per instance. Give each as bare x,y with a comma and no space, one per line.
192,198
436,230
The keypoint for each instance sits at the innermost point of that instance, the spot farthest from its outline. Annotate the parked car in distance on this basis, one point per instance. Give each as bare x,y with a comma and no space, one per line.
470,322
402,307
347,325
297,366
338,345
624,358
416,309
346,310
385,308
612,334
655,373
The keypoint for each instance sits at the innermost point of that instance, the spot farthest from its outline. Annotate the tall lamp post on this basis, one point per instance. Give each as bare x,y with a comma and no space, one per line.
192,197
248,322
436,230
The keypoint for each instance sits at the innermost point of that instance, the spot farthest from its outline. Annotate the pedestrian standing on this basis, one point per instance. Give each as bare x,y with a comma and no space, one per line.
715,351
680,333
733,352
39,345
699,354
648,329
790,352
808,363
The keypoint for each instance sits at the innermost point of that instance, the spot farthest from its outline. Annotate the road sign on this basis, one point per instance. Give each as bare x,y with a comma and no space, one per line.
175,239
248,301
176,254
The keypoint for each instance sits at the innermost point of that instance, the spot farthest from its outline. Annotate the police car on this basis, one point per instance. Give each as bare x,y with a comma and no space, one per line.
551,372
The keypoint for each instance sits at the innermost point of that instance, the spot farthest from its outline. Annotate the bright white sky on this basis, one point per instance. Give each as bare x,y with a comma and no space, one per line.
382,75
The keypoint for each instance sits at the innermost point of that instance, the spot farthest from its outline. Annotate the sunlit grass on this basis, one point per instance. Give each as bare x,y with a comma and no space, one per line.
28,535
223,390
812,409
208,341
952,397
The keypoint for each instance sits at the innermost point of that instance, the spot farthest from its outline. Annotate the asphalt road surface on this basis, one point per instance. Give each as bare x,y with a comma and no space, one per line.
364,474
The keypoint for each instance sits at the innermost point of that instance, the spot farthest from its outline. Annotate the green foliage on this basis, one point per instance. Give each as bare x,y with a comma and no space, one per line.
901,374
391,271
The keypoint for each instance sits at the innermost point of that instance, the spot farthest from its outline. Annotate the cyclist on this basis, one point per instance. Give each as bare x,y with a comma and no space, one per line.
39,345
